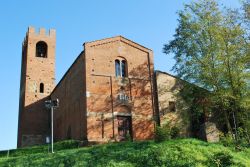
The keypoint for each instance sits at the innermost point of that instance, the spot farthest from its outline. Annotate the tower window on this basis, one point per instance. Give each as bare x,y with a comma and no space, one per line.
120,68
41,88
41,49
172,107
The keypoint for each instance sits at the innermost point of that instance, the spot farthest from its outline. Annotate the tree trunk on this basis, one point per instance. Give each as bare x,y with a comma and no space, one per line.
229,128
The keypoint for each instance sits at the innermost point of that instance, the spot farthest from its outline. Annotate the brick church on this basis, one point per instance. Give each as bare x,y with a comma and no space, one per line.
110,92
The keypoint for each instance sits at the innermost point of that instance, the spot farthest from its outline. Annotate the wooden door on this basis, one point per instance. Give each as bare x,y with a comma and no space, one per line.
124,127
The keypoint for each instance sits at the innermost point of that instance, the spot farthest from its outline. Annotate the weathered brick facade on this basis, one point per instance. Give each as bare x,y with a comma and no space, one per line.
89,105
96,104
103,88
36,71
109,93
171,108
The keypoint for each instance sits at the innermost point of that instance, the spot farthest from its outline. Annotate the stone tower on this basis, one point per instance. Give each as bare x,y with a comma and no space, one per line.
37,83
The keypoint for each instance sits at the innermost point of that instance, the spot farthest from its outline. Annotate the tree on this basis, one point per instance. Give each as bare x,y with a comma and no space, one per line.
211,49
246,8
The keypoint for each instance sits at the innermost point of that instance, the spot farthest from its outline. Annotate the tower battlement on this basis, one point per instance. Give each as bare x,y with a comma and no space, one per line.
41,32
51,33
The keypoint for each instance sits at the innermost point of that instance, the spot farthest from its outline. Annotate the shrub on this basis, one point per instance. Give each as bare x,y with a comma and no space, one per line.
128,137
222,159
227,140
174,132
166,132
67,144
243,137
162,133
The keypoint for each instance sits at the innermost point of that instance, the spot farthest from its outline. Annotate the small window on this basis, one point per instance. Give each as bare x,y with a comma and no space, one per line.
41,88
41,49
172,107
117,68
120,68
123,68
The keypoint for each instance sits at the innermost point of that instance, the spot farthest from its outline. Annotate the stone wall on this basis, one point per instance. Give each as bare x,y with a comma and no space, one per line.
172,108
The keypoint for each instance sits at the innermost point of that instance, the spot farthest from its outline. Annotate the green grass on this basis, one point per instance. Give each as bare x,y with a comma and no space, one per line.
63,145
176,153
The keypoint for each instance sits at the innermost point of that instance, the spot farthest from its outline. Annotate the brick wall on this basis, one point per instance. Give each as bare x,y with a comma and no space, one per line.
33,116
103,87
88,92
70,117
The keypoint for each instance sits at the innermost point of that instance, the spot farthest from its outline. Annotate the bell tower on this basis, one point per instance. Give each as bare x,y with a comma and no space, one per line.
37,83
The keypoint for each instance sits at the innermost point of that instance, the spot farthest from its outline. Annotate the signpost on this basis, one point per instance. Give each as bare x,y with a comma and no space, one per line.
51,104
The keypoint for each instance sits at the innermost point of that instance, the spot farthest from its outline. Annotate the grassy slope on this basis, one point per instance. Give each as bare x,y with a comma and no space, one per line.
181,152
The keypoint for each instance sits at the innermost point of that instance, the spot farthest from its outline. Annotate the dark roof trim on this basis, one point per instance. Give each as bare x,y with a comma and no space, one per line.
66,72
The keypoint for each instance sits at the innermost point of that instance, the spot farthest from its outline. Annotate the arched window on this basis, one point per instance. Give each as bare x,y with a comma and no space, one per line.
117,68
124,68
121,68
41,88
41,49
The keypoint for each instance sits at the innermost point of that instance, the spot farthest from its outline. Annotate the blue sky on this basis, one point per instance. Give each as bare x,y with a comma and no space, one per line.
151,23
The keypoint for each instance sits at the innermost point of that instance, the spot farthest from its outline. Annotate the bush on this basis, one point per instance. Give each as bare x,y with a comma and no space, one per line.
67,144
128,137
166,132
227,140
240,144
162,133
222,159
243,137
174,132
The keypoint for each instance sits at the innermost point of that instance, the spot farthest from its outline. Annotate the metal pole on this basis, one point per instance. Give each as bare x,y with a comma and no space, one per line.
112,106
52,150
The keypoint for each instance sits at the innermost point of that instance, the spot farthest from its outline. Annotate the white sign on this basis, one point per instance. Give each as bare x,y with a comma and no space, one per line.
47,139
87,94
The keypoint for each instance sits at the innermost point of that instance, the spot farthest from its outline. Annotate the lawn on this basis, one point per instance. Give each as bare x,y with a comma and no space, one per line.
176,153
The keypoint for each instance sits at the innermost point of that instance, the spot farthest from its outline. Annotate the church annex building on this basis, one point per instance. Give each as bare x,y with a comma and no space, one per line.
110,92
